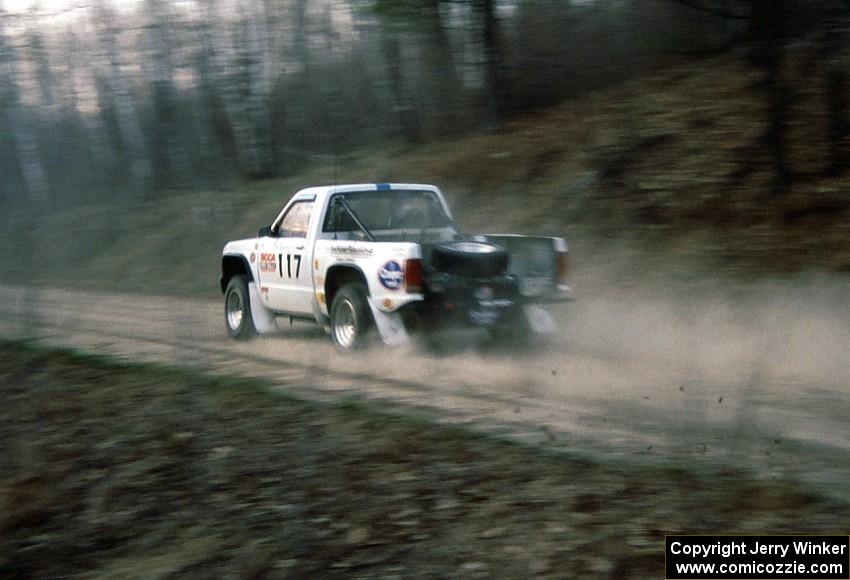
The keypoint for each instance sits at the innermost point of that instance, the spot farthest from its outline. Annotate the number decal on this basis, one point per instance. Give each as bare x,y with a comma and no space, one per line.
289,259
298,265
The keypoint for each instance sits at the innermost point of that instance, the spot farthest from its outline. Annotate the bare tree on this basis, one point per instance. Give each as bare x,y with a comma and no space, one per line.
392,31
836,87
441,84
770,25
190,93
118,95
244,91
170,163
217,140
494,59
767,33
19,121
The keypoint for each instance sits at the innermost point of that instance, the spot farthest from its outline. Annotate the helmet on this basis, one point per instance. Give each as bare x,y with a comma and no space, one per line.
407,212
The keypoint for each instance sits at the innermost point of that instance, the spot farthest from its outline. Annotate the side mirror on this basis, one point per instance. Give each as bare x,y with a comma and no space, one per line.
264,232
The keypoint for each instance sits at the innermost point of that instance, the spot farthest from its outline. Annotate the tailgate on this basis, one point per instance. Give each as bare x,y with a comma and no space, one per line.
540,263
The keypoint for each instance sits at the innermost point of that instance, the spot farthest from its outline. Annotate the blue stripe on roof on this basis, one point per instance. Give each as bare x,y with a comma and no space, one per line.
383,186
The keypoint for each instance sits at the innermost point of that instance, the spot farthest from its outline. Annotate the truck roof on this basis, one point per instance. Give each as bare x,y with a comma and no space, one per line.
349,187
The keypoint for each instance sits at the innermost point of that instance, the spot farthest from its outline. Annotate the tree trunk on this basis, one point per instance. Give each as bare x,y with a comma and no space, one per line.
497,83
408,117
836,91
121,93
171,165
767,21
245,93
217,134
443,83
21,132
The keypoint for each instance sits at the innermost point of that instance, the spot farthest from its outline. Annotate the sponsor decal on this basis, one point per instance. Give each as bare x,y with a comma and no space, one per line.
391,275
268,262
253,257
348,251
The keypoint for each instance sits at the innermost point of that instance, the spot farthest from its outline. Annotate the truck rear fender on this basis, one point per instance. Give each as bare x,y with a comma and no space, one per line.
340,275
390,325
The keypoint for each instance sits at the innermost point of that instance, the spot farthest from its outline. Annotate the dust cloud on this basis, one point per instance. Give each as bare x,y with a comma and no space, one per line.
618,341
752,375
770,332
716,372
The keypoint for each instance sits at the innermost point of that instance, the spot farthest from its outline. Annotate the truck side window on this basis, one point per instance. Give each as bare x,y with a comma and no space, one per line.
296,221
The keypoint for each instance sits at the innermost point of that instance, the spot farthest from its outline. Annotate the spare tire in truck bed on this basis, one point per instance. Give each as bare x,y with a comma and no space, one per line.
470,259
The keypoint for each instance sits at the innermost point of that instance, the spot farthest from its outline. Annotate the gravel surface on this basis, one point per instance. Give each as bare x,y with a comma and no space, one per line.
757,381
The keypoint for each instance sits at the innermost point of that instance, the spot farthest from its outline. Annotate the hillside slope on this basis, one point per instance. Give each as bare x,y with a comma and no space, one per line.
667,171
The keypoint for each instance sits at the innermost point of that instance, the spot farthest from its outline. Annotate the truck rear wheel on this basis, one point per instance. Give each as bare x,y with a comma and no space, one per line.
237,309
351,320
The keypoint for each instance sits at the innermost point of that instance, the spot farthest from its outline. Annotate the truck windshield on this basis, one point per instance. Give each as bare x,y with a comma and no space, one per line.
380,211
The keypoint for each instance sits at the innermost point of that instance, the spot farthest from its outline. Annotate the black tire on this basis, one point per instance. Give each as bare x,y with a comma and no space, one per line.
237,309
351,319
470,259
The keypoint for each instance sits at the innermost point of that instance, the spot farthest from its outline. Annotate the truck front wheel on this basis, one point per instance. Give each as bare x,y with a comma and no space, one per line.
237,309
350,318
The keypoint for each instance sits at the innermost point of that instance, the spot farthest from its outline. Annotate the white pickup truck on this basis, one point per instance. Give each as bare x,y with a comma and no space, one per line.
387,257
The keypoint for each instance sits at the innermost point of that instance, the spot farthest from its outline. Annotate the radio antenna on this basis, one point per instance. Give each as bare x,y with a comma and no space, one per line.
336,163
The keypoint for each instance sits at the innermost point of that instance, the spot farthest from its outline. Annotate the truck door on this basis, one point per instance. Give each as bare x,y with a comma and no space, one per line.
285,262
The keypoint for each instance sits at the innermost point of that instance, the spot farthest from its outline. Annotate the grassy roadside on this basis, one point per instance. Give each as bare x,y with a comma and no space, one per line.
113,470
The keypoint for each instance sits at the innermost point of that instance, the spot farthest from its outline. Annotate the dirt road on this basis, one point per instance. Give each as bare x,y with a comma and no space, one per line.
699,384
